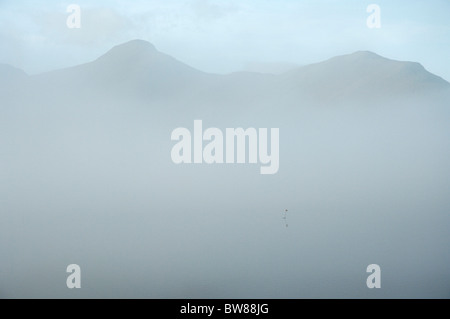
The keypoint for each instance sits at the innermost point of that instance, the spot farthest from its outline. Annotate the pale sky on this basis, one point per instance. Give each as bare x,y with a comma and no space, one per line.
223,36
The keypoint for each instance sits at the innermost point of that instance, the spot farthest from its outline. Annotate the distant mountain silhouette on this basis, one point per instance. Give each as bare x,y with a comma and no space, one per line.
362,74
132,68
137,69
139,60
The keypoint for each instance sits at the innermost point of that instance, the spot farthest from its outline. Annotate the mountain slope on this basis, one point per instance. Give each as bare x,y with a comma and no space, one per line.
359,75
135,68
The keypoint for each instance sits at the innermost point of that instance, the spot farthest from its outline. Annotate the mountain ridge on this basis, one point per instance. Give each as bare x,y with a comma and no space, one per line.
137,68
361,74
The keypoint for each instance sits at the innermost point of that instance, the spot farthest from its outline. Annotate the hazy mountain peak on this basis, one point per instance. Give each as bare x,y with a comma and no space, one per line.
365,54
138,59
135,68
359,57
136,44
360,75
131,50
376,63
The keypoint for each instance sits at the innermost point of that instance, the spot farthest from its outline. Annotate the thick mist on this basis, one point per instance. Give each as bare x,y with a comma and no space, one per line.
87,178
